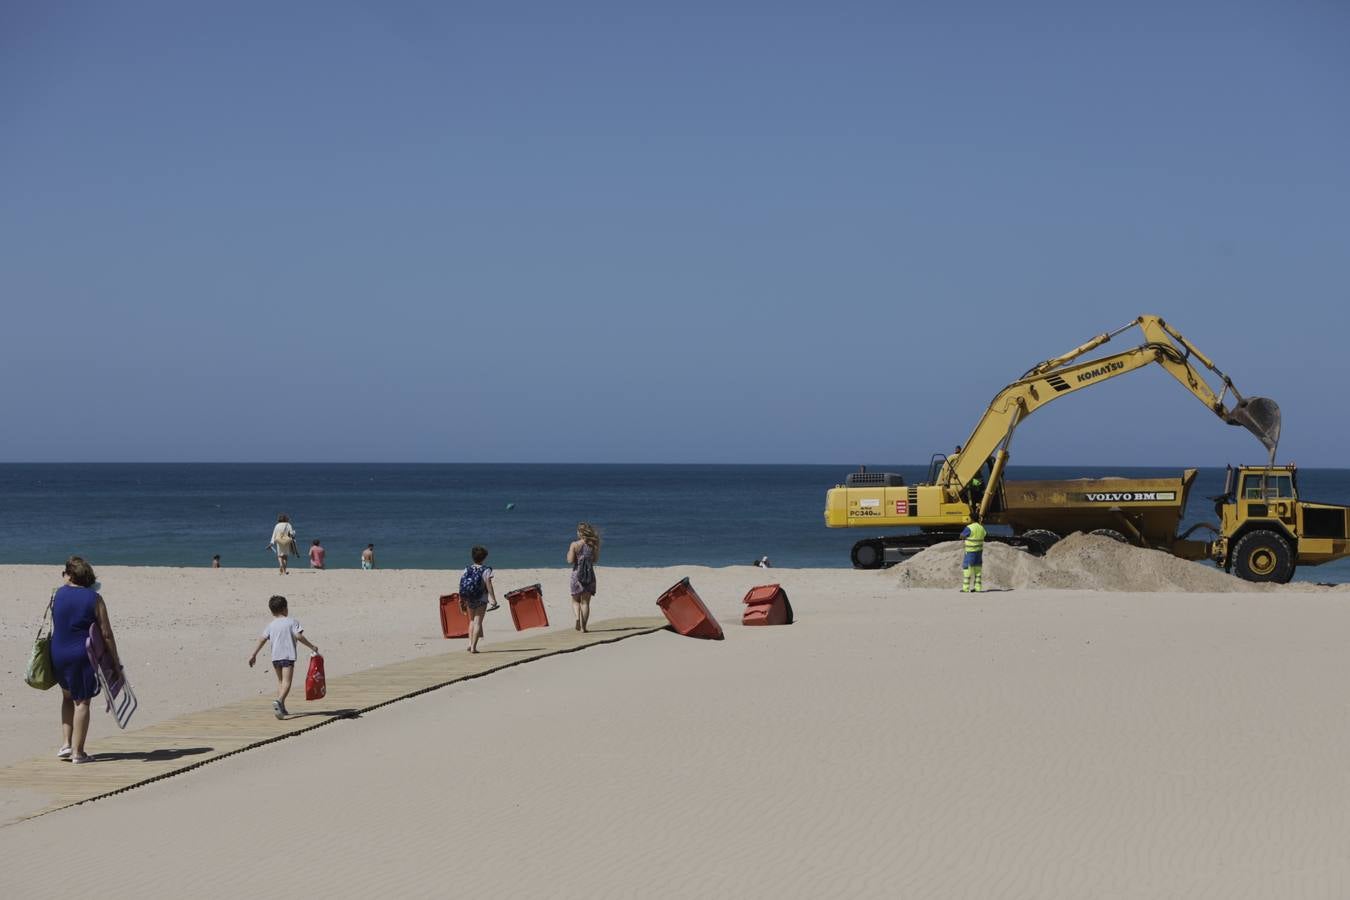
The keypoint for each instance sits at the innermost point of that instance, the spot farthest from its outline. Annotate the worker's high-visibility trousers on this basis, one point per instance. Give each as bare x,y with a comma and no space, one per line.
972,567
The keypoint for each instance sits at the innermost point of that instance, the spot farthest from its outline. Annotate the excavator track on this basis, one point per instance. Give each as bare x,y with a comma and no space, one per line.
884,552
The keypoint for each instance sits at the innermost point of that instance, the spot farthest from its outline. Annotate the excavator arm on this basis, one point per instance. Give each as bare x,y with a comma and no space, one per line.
1066,374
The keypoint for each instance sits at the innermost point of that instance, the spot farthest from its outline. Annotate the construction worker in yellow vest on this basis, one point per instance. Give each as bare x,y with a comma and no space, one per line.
972,564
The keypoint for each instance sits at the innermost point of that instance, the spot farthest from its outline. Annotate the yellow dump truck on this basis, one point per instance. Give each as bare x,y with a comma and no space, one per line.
1141,511
1261,539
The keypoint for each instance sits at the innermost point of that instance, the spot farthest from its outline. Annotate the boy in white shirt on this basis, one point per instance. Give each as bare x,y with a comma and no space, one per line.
283,632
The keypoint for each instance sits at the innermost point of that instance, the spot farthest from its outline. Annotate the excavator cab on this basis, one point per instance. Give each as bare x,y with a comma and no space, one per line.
980,484
972,493
936,465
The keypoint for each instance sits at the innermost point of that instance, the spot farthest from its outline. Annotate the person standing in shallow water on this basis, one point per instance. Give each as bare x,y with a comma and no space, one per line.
582,556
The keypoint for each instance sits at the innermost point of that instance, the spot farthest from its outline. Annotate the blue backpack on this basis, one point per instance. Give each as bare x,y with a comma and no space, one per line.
471,583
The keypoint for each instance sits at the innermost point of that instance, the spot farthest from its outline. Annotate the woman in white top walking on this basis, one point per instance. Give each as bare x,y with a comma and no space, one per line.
283,541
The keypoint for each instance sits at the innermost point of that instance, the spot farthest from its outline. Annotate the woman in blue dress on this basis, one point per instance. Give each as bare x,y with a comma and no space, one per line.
75,607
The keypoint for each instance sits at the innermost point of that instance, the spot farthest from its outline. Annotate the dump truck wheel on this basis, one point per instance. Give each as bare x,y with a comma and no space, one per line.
1263,556
1112,534
869,555
1042,538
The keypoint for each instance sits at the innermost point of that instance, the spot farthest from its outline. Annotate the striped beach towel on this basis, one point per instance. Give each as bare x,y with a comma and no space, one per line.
113,682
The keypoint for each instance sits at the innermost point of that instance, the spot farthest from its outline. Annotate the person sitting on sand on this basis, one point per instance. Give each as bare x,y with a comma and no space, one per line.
215,561
76,606
475,590
368,557
283,632
283,541
316,555
582,555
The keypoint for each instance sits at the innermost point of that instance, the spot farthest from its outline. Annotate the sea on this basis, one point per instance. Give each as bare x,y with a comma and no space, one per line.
429,515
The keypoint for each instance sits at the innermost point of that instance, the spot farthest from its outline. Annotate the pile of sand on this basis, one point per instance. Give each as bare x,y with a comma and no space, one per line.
1078,562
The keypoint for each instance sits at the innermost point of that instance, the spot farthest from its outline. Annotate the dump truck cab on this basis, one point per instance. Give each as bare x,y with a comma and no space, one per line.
1266,531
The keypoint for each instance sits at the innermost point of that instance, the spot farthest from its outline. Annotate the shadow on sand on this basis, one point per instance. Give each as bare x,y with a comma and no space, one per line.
328,714
152,755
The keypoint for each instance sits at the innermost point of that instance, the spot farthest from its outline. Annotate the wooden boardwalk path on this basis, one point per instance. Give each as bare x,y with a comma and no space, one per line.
133,758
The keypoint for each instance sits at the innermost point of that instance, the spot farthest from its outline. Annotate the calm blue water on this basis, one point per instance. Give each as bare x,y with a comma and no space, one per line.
426,516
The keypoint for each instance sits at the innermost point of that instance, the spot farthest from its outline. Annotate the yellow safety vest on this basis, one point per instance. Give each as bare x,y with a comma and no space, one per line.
975,543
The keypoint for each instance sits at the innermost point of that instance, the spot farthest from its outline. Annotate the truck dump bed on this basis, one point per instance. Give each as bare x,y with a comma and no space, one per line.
1146,510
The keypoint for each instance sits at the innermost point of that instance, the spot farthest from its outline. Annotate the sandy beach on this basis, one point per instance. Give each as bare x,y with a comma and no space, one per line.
1052,290
894,742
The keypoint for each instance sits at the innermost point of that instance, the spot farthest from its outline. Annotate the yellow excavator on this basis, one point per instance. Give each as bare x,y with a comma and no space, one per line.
970,481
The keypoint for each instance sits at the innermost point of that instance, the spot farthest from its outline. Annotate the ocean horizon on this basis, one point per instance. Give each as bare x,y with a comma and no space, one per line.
427,515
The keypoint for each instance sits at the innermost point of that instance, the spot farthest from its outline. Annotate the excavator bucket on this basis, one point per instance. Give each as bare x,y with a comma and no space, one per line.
1260,416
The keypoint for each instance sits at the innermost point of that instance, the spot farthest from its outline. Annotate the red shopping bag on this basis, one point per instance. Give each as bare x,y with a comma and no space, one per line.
315,686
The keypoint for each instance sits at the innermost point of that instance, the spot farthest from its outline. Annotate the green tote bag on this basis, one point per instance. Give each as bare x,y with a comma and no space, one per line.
41,673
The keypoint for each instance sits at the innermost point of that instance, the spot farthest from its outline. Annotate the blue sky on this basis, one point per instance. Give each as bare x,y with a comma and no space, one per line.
662,233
